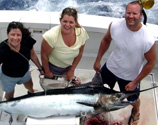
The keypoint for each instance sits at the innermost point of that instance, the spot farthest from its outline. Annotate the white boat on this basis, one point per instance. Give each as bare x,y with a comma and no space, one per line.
96,26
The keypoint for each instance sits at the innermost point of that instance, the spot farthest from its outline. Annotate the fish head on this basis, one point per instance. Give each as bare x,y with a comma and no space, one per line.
112,102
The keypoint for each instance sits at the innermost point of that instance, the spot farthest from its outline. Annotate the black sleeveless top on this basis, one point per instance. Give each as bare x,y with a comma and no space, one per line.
13,63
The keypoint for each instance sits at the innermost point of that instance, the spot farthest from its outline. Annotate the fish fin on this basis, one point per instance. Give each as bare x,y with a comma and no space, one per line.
97,79
88,104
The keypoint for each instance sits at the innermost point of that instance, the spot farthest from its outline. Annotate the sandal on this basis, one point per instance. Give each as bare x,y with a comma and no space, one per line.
133,120
30,93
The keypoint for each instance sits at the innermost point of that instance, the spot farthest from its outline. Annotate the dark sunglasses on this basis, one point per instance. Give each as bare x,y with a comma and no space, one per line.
70,10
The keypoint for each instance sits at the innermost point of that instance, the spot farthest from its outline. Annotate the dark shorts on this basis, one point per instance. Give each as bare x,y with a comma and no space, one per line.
110,79
57,70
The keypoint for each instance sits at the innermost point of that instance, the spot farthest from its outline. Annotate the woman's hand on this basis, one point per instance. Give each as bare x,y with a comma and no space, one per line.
70,76
75,80
48,74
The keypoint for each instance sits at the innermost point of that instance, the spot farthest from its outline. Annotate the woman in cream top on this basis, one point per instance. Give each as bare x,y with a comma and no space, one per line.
63,45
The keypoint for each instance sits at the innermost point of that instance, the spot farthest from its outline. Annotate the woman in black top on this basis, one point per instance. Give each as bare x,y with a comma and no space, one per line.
15,53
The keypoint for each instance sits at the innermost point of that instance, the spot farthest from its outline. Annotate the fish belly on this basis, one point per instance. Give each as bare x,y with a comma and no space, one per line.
51,105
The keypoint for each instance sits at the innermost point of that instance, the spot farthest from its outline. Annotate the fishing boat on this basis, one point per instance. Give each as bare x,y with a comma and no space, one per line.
96,26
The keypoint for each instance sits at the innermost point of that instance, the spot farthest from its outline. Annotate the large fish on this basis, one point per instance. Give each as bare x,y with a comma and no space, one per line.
77,100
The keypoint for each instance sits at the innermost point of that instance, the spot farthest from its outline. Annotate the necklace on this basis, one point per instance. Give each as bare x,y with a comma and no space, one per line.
12,48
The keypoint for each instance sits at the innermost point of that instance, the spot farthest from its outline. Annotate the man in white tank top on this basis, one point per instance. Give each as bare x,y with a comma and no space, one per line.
134,45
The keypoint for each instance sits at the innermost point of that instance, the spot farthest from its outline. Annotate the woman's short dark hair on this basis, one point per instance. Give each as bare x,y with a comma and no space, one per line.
18,25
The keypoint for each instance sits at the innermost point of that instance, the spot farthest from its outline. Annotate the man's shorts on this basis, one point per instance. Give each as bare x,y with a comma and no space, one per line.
8,83
109,78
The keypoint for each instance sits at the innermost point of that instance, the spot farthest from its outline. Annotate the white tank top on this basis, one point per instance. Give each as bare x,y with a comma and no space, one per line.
127,59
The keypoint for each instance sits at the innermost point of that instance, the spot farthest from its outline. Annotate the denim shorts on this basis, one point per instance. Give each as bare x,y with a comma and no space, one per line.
8,83
110,79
